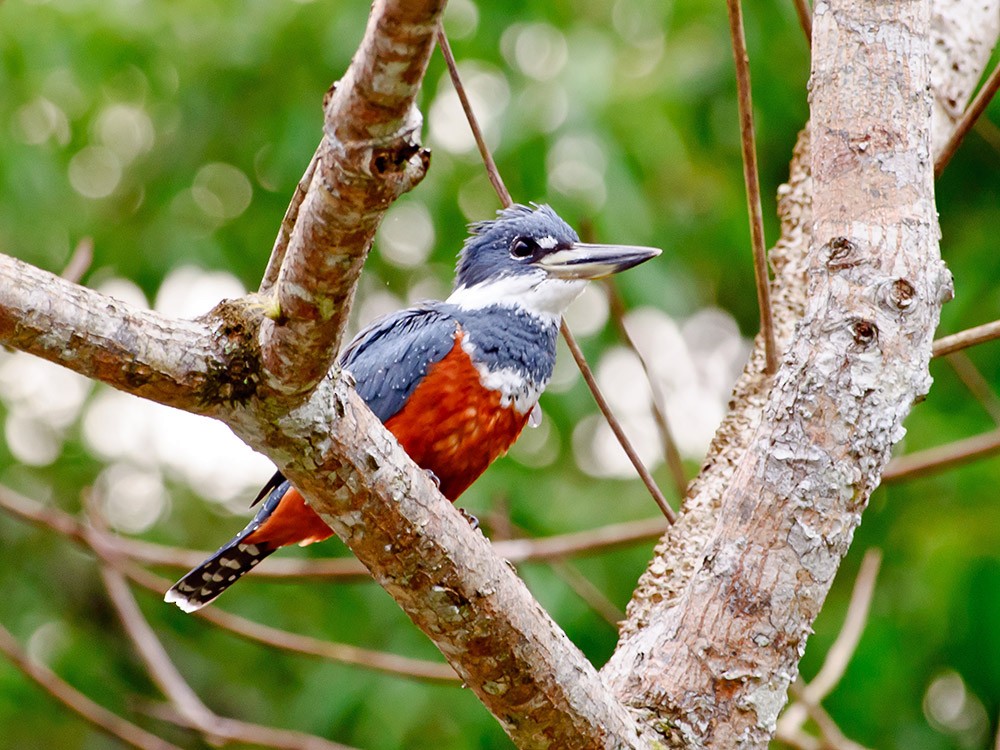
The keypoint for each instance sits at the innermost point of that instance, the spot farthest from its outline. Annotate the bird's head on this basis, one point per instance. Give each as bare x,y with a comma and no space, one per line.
531,258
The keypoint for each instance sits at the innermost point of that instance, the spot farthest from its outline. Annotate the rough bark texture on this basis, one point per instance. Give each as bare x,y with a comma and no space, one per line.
713,666
182,363
963,33
370,155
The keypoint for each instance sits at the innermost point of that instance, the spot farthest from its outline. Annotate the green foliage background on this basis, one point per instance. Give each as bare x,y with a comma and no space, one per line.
652,82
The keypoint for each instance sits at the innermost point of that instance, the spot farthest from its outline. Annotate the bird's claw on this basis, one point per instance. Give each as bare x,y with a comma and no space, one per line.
473,521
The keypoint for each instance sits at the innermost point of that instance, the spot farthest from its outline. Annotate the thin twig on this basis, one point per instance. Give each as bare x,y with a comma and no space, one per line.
77,702
379,661
978,386
805,18
594,540
484,152
507,201
671,454
965,339
842,650
752,179
969,118
504,528
798,739
173,685
79,261
159,665
833,737
942,457
287,225
616,427
583,587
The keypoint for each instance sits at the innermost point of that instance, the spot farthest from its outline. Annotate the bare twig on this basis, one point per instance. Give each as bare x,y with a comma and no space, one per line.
843,648
484,152
805,18
137,351
751,177
839,656
833,737
798,739
79,261
969,118
594,540
671,454
588,376
186,702
369,156
77,702
583,587
158,663
504,528
379,661
616,427
978,386
287,225
968,337
942,457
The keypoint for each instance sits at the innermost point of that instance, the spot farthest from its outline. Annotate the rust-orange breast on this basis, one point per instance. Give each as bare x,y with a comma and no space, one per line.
452,425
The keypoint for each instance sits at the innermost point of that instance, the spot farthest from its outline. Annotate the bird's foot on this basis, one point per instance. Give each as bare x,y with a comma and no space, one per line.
473,521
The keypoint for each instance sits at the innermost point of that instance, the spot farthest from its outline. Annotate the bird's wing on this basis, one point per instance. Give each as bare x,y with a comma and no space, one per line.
390,357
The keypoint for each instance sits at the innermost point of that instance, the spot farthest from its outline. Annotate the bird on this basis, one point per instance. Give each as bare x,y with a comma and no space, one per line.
455,381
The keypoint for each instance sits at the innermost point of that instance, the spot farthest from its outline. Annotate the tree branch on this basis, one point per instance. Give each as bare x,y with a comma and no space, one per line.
105,720
555,547
442,573
751,178
175,362
370,155
942,457
856,363
969,337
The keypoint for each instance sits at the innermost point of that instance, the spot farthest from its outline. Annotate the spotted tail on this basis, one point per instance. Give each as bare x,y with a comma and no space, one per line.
283,518
203,584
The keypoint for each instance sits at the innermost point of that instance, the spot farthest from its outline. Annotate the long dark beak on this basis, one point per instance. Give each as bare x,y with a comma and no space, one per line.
583,260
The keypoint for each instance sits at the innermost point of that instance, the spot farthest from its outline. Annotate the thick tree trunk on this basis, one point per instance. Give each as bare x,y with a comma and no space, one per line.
720,620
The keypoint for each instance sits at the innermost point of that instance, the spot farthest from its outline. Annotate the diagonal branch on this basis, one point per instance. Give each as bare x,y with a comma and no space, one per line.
969,337
969,118
443,574
843,648
942,457
173,685
581,362
555,547
751,177
79,703
370,155
856,362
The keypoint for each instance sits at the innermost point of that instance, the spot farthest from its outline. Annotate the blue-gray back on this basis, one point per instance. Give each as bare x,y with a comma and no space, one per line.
390,357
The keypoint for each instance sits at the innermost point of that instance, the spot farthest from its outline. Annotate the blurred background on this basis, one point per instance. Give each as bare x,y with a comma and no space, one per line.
171,136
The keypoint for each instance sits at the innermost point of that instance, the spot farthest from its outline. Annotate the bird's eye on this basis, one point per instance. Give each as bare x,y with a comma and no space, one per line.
522,248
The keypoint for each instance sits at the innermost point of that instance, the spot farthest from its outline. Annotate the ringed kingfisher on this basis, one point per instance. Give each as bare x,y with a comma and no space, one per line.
454,381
